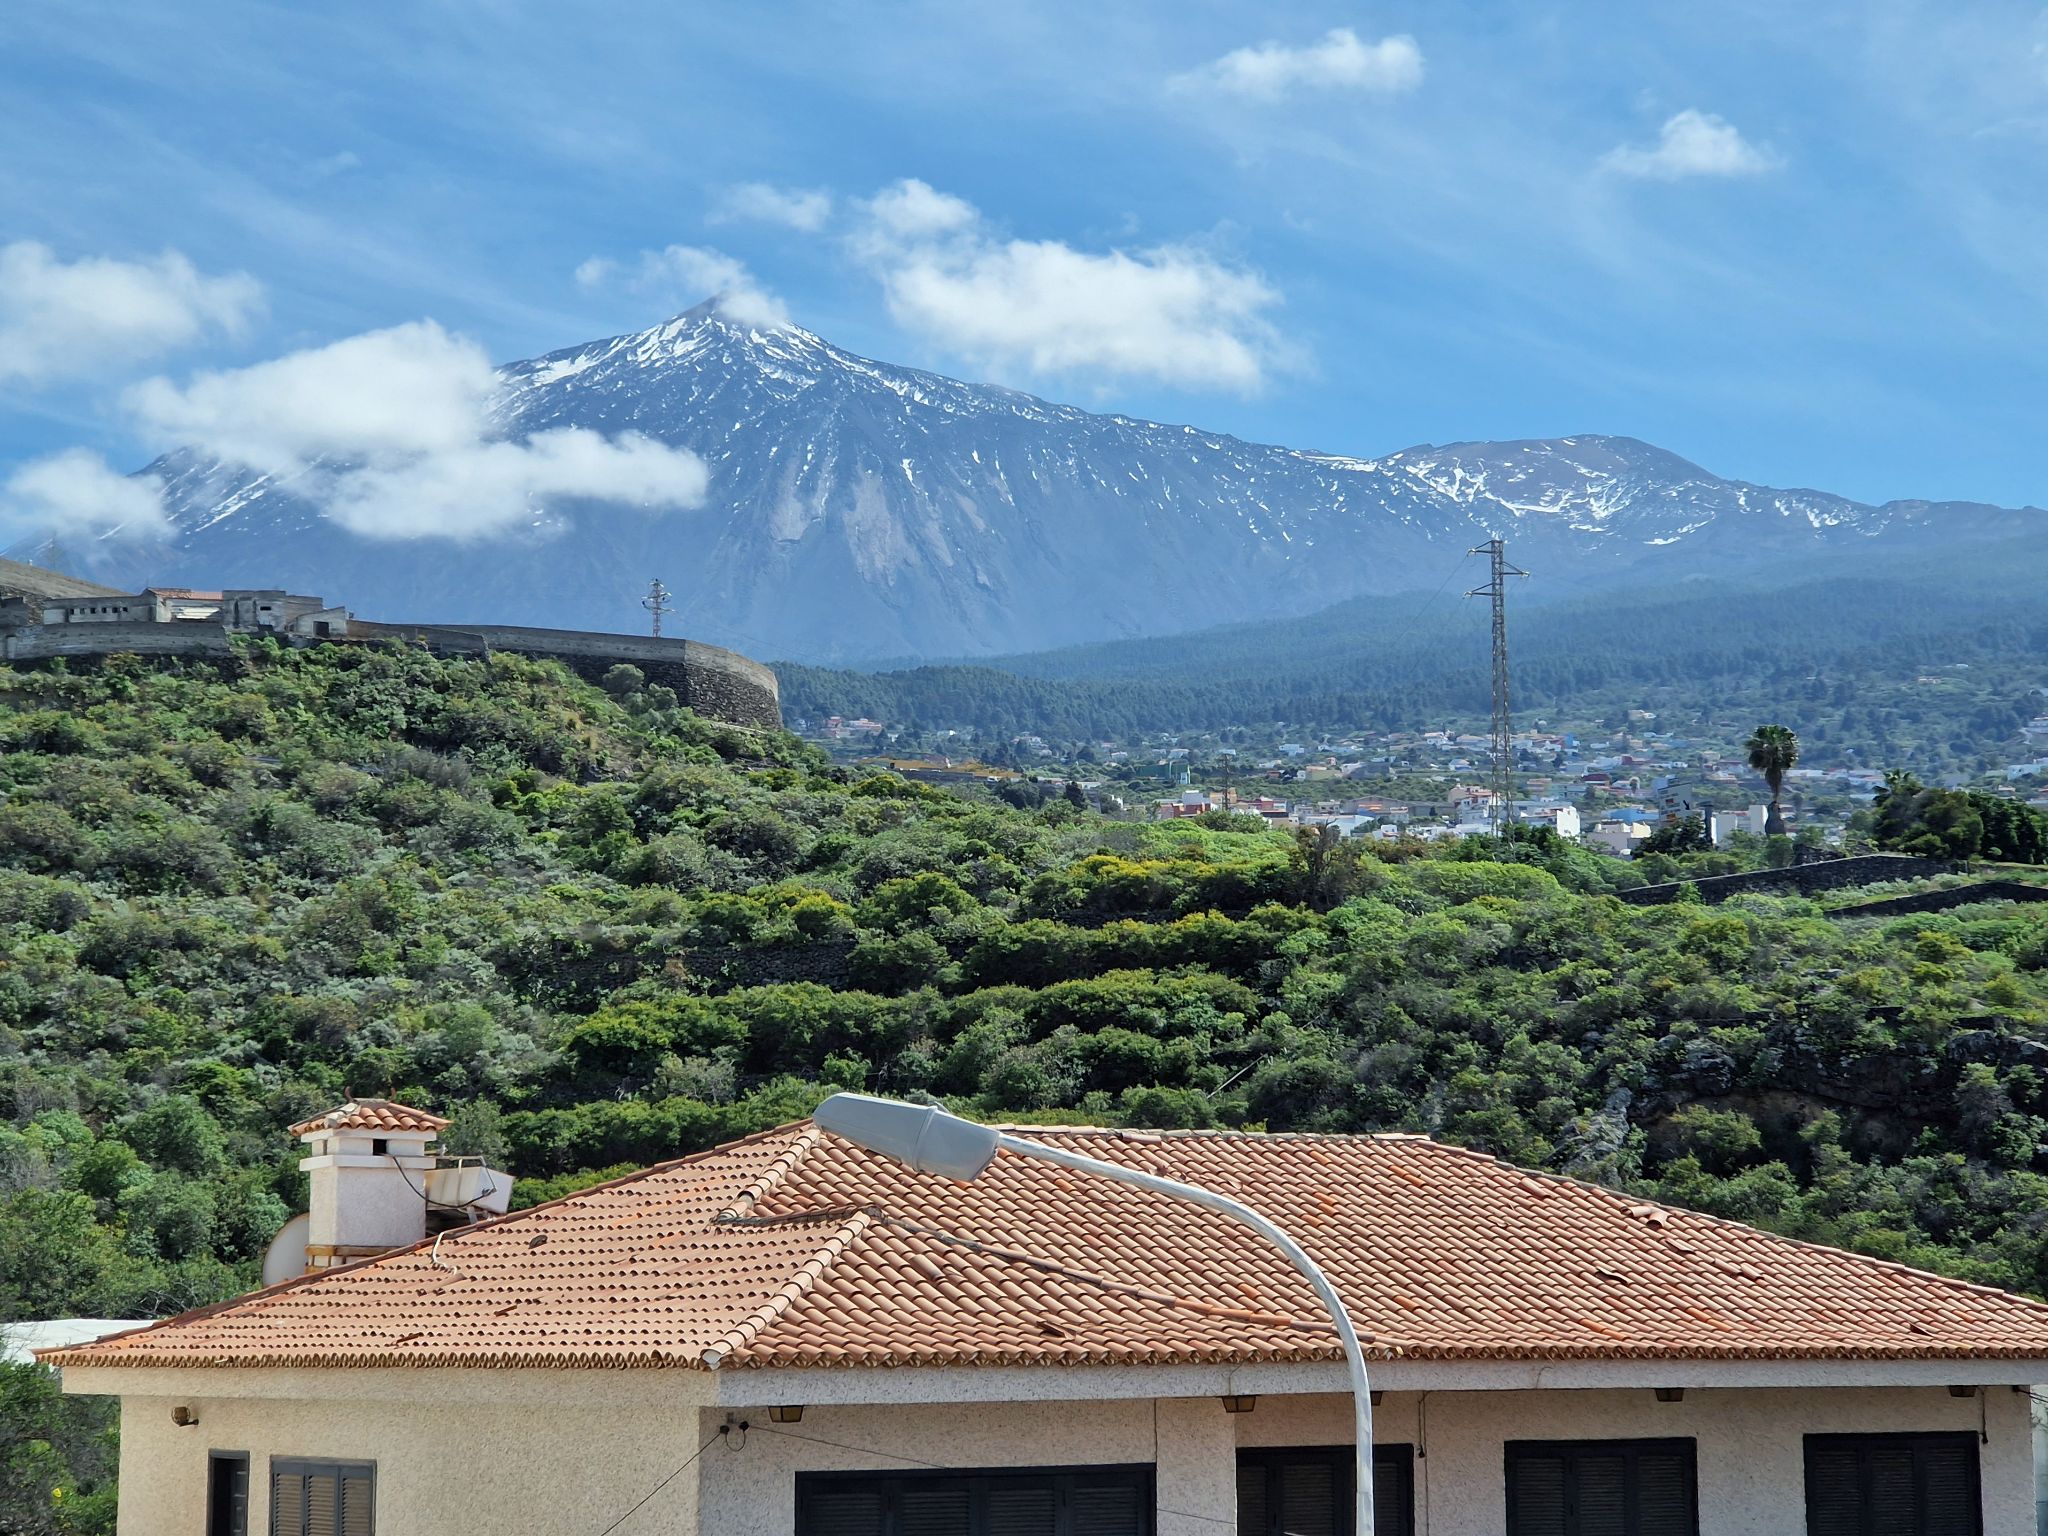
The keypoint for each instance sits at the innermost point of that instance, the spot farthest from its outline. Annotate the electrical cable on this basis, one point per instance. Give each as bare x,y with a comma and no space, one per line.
679,1471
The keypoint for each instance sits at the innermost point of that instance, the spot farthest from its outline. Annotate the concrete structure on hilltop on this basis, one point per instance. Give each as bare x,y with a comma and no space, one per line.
38,625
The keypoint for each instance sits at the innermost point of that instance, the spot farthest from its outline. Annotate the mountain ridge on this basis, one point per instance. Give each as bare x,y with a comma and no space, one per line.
859,510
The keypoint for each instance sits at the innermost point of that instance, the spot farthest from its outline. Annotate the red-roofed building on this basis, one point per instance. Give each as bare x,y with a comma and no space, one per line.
791,1335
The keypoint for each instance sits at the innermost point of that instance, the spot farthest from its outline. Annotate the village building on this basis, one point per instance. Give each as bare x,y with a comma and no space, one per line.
791,1336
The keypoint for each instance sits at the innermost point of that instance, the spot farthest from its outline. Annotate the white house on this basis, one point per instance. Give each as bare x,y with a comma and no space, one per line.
793,1337
1722,825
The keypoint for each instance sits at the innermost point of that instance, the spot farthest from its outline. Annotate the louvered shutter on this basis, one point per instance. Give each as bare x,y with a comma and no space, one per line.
1254,1508
933,1510
1022,1511
1107,1509
323,1504
1665,1504
844,1509
1308,1498
287,1504
1948,1481
1536,1498
1834,1490
1393,1491
1601,1494
358,1501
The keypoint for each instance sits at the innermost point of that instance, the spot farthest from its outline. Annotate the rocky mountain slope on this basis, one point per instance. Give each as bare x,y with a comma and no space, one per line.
861,511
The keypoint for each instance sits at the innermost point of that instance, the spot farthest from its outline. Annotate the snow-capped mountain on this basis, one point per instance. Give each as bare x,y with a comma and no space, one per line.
859,510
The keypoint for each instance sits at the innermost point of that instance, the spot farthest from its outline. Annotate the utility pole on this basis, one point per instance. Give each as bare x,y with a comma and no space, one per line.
656,603
1496,589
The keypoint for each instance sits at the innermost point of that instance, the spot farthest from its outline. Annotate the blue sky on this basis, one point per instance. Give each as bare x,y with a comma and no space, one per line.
1804,245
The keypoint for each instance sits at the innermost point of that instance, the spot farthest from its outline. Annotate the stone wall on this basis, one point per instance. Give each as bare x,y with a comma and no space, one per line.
1942,901
1802,880
716,683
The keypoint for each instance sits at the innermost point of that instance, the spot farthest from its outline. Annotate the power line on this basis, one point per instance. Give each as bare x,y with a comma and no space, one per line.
1496,589
679,1471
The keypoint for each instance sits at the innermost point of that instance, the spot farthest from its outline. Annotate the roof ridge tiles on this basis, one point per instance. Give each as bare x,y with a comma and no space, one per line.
791,1291
778,1173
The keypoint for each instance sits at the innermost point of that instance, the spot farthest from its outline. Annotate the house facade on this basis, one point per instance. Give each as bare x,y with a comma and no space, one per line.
790,1335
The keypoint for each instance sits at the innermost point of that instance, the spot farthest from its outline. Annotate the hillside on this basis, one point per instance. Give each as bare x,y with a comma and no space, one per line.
1849,656
860,510
597,932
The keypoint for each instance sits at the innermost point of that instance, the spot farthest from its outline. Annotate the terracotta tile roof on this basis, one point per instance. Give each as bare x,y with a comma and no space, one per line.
793,1248
372,1115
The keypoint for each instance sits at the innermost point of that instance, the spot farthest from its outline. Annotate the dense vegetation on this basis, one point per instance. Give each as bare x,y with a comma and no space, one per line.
1927,668
598,931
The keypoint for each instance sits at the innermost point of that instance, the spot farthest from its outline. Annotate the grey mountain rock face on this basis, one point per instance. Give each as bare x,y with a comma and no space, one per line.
859,510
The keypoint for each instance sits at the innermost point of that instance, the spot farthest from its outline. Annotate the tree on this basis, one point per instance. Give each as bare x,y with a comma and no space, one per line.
1687,835
1076,796
1773,751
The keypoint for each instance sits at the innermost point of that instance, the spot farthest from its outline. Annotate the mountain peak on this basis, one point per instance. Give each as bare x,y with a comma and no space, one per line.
859,509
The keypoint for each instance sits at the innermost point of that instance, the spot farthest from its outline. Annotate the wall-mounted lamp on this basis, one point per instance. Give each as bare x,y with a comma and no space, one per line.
1670,1394
1378,1398
183,1417
1241,1403
787,1413
1962,1391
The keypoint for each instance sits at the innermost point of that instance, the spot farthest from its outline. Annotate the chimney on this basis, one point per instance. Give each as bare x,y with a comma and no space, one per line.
370,1166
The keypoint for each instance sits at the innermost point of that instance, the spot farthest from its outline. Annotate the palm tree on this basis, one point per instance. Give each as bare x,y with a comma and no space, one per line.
1772,752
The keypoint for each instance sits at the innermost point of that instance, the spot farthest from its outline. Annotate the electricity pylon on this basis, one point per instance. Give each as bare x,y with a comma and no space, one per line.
656,603
1496,589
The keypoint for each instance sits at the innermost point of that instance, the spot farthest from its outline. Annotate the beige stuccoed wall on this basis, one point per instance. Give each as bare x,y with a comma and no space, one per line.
1749,1444
561,1461
751,1490
568,1451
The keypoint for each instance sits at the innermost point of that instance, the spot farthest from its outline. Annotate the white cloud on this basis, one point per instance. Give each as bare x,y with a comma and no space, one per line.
392,433
77,492
1340,60
799,208
71,319
686,274
1693,144
1172,312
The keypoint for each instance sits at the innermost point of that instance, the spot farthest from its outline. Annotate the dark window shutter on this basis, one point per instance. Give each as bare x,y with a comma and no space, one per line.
1834,1490
1254,1509
227,1496
1536,1496
1602,1494
933,1511
1892,1485
1108,1509
1950,1504
1308,1498
844,1509
1664,1492
323,1504
1393,1490
1022,1511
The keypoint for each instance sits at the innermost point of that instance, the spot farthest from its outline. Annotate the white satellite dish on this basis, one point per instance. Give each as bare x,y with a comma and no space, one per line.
285,1258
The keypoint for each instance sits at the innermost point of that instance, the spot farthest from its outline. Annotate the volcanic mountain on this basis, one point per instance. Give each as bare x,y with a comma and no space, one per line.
859,510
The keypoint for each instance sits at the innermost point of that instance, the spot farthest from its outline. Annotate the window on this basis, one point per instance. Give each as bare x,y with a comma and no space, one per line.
1050,1501
1601,1488
1306,1491
1892,1485
322,1498
227,1493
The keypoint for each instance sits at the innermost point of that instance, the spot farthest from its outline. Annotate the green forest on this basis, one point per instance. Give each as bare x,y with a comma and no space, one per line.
597,931
1931,668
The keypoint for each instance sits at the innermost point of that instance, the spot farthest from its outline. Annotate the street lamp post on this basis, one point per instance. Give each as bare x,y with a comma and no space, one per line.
930,1140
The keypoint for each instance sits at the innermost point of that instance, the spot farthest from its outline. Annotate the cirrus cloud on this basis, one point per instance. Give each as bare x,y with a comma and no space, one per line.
1174,313
1339,60
1693,143
73,319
